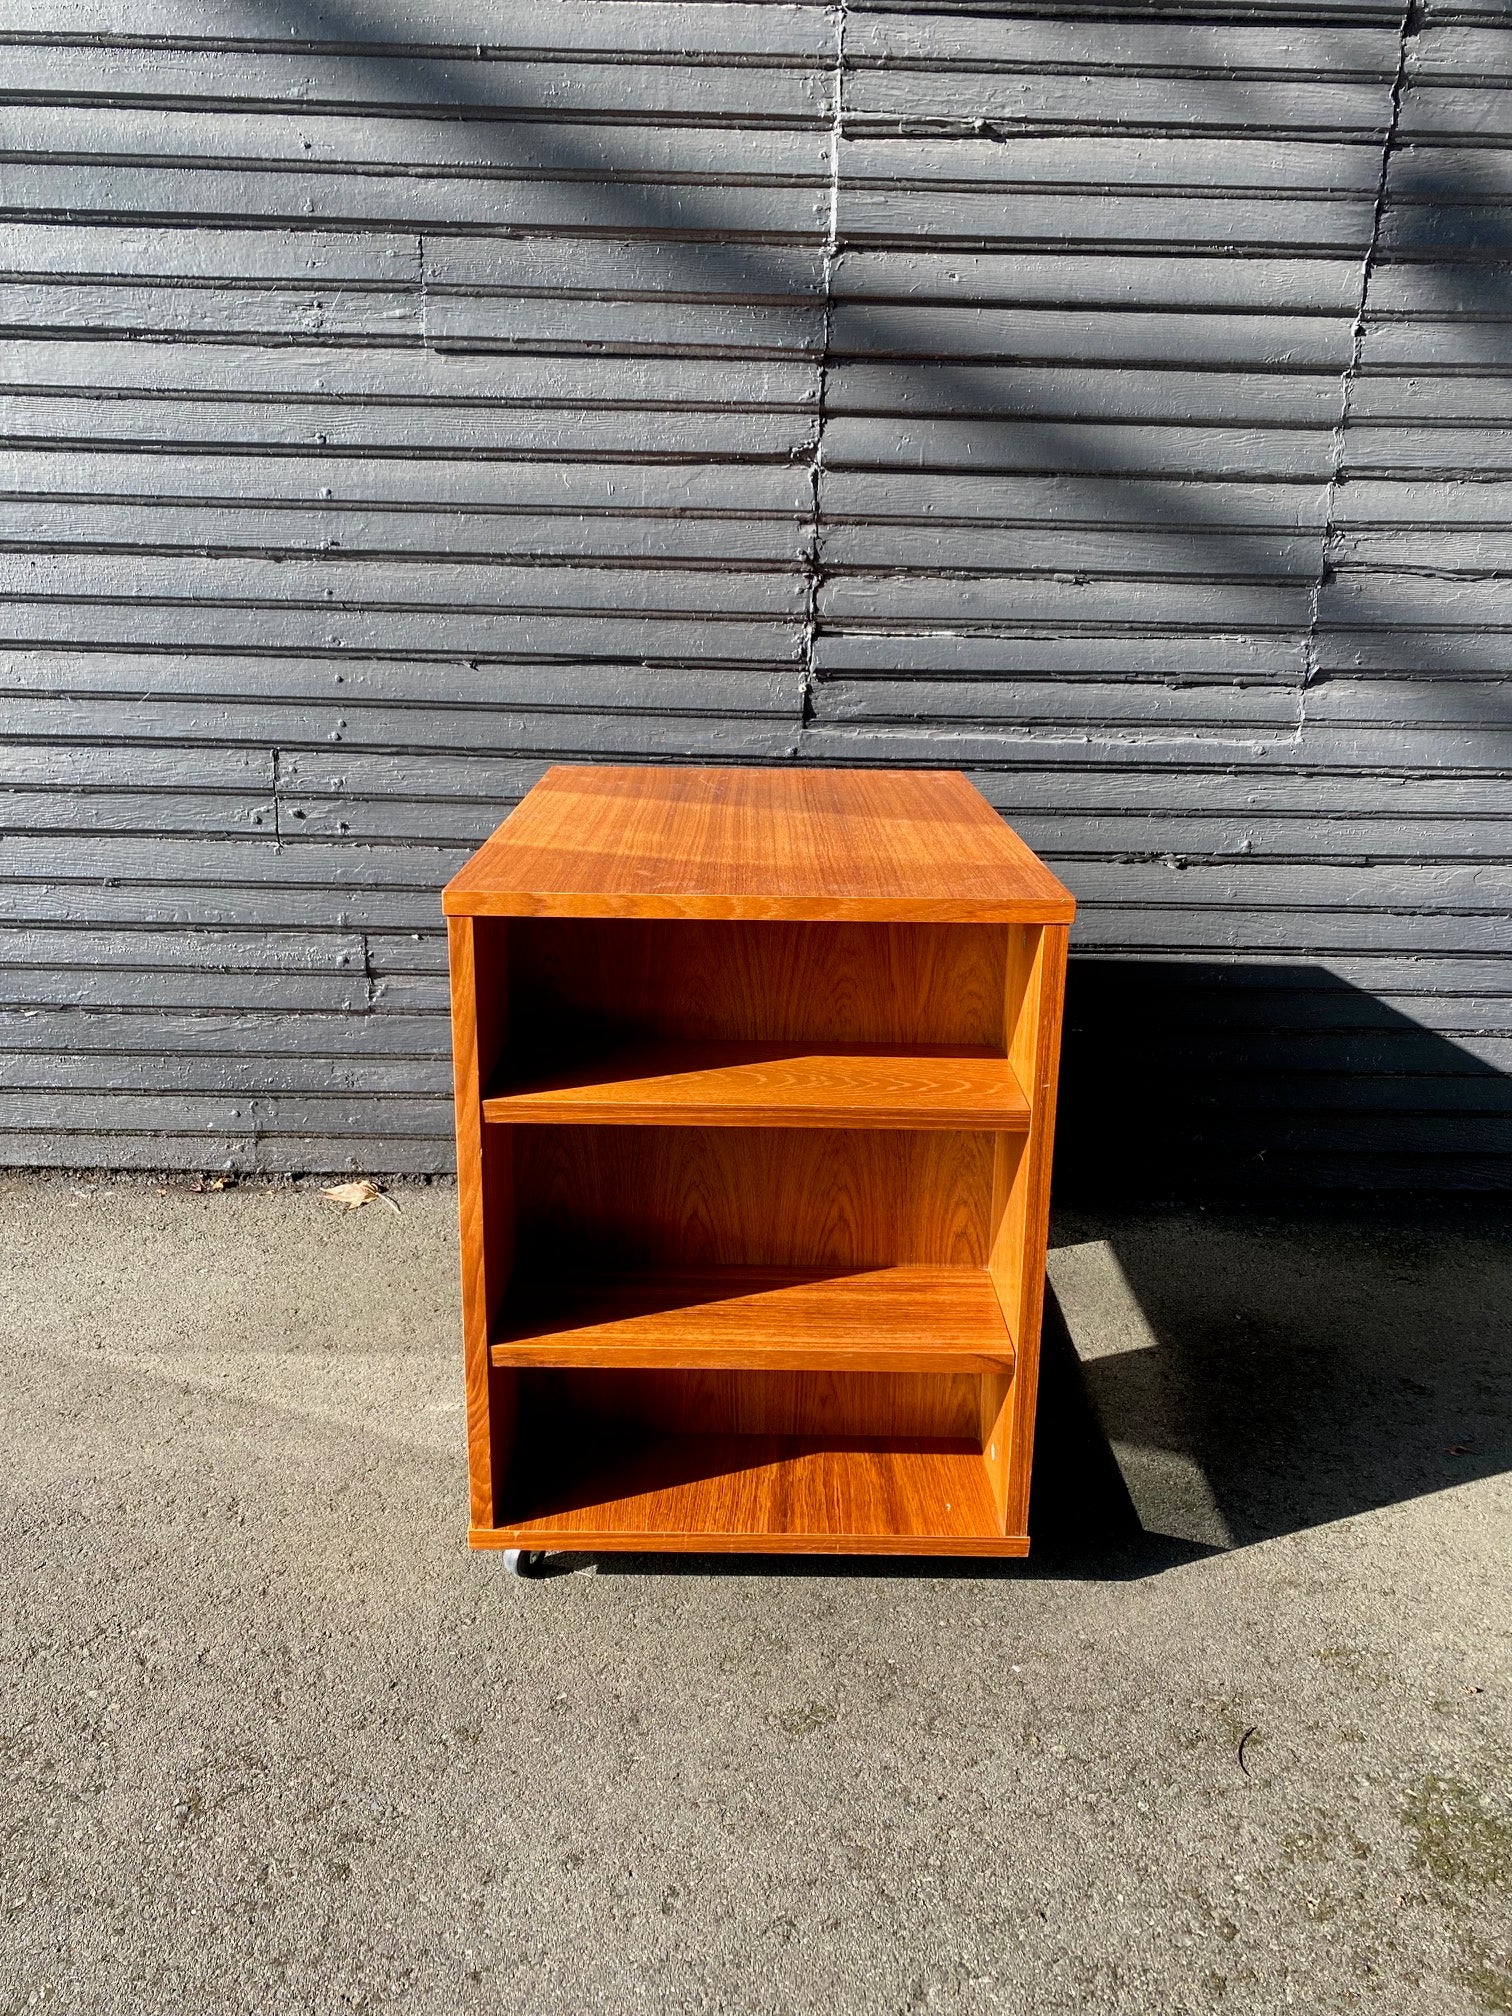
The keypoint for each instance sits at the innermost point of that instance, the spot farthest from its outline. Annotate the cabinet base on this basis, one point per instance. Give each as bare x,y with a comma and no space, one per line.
754,1494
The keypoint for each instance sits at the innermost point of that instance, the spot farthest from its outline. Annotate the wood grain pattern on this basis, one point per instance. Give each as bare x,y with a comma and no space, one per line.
825,844
995,1436
781,1197
485,1216
926,1319
757,1494
768,1085
1034,1002
691,981
779,1191
576,1403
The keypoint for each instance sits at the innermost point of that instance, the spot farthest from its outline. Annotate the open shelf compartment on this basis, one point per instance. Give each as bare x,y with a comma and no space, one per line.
832,1462
764,1333
625,1021
760,1494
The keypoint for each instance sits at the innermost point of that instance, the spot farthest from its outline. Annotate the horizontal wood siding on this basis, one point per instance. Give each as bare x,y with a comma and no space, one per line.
402,395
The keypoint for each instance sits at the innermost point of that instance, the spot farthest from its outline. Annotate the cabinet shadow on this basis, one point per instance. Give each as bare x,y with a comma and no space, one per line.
1279,1317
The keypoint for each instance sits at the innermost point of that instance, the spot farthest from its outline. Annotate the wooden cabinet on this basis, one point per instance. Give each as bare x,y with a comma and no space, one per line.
755,1077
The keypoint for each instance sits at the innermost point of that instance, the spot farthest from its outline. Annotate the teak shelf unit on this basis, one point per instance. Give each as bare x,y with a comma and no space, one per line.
755,1084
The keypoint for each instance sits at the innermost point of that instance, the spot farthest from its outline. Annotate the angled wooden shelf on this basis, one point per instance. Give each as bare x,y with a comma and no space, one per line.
755,1093
884,1319
671,1084
757,1494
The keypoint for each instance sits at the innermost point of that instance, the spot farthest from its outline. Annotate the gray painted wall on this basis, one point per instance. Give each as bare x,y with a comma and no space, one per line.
1110,401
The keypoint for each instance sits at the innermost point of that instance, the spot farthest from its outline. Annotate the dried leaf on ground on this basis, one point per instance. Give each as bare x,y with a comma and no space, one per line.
352,1196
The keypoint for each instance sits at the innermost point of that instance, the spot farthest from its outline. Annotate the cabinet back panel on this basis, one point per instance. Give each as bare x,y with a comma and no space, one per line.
618,1197
635,980
921,1406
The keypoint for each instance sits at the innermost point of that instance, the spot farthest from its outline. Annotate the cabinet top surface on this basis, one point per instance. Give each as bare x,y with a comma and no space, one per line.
638,841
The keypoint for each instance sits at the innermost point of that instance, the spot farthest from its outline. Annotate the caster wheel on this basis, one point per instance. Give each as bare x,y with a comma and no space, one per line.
518,1561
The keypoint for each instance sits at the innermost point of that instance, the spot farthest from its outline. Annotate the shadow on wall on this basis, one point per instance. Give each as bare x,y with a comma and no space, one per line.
1186,1079
1442,220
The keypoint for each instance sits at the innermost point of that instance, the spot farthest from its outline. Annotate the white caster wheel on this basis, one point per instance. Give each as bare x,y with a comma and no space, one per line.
517,1560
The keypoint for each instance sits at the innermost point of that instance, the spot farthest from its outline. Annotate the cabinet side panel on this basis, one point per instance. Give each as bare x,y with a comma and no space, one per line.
485,1203
1035,994
995,1398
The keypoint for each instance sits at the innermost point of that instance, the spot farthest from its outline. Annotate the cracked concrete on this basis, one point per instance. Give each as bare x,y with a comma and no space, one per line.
273,1741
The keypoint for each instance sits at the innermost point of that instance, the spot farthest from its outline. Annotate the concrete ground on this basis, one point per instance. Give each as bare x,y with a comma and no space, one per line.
273,1741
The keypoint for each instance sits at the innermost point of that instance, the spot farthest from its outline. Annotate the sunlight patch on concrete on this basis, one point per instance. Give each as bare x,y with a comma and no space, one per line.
1141,1410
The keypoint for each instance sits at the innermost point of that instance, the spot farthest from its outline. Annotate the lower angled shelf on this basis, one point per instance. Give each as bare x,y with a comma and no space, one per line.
754,1494
895,1319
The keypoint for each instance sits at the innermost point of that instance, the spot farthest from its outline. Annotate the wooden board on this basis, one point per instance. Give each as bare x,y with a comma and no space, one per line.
925,1319
635,980
634,1197
757,1493
768,1085
825,844
484,1217
613,1403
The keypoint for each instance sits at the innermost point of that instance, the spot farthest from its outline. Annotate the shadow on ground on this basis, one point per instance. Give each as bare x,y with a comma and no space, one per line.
1209,1381
1258,1376
1083,1520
